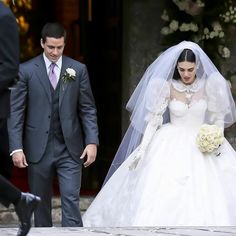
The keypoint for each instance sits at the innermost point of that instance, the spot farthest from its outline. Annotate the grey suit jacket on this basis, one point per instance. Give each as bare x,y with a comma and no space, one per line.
31,109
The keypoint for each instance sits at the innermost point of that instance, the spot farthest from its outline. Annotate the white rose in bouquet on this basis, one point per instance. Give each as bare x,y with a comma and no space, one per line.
209,138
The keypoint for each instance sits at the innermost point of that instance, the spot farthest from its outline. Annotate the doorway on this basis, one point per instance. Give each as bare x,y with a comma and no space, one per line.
94,38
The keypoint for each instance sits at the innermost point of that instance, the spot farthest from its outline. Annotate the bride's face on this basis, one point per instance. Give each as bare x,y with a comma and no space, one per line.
187,72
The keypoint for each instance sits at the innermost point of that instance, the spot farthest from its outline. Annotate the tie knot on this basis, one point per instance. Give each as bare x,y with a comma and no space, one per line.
52,66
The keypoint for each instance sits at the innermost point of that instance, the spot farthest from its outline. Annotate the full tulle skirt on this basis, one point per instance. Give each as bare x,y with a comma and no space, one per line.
174,184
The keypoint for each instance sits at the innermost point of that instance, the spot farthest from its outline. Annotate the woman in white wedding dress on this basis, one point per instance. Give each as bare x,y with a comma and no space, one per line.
161,177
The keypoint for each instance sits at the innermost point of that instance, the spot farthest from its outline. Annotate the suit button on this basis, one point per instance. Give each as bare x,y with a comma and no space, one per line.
46,132
49,117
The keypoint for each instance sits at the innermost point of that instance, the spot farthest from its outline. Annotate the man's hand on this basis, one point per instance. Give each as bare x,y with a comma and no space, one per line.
90,152
19,159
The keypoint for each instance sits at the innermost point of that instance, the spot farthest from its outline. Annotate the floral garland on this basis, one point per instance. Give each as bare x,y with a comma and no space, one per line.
204,22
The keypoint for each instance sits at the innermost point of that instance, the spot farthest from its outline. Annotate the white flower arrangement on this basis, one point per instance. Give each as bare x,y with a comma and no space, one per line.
229,15
190,18
209,139
69,75
224,51
192,8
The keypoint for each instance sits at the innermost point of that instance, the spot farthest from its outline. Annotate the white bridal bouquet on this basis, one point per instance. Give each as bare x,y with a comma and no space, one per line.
209,138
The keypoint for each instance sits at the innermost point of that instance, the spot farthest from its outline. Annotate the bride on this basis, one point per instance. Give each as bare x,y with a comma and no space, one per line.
162,175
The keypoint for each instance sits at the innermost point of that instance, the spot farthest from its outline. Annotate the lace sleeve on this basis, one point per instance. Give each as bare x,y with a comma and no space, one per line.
154,121
156,110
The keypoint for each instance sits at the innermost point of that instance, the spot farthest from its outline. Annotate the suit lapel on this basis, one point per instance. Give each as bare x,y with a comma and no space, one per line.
41,72
63,85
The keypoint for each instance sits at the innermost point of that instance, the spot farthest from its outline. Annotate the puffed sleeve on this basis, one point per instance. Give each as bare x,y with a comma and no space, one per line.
157,108
218,103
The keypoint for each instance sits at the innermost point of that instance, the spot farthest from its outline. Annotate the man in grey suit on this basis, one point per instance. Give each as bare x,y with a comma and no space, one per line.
53,126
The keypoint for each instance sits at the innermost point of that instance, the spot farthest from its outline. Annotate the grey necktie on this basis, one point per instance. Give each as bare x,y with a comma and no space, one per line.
52,75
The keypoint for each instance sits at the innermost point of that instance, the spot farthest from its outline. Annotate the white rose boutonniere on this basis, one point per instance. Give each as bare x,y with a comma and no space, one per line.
69,75
209,139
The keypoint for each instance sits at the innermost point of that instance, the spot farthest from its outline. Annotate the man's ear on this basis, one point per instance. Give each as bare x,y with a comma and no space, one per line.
41,43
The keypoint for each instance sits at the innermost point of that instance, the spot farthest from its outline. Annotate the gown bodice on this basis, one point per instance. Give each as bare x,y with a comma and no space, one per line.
189,104
187,115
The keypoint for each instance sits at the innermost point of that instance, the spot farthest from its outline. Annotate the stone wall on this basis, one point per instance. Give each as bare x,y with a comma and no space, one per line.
141,43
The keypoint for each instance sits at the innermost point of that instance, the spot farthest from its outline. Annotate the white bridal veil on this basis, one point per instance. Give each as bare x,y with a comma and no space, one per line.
151,91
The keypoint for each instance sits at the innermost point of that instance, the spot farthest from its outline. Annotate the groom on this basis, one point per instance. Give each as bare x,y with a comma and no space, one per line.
53,126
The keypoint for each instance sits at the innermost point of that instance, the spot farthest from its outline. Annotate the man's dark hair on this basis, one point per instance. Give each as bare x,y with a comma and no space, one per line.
53,30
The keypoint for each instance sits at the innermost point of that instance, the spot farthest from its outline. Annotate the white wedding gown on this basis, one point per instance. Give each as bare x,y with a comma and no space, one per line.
174,184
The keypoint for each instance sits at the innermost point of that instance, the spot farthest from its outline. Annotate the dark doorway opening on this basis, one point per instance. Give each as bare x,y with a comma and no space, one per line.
95,38
101,49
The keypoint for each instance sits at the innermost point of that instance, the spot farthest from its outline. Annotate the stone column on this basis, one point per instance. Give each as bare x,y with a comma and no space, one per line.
141,44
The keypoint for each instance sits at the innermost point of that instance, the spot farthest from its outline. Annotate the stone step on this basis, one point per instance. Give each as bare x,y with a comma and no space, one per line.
9,217
126,231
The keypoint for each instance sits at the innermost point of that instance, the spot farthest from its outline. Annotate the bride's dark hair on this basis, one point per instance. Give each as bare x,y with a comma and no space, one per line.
186,55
